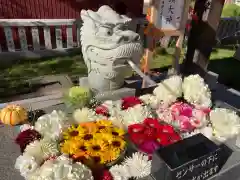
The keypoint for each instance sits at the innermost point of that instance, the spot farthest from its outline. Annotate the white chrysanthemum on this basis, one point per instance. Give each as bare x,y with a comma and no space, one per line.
34,149
51,125
196,91
85,115
62,168
114,107
26,164
42,149
135,114
25,127
206,131
150,100
119,172
225,122
169,90
138,165
49,148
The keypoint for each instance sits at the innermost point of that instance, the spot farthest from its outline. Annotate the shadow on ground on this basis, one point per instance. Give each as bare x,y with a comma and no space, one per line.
16,78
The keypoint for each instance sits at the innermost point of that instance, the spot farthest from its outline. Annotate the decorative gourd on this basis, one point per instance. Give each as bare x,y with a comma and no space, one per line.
13,115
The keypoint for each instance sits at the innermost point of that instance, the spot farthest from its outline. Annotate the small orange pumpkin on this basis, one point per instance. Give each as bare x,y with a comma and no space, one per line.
13,115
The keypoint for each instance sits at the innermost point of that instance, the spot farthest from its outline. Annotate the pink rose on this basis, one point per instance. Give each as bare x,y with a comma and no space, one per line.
185,123
180,108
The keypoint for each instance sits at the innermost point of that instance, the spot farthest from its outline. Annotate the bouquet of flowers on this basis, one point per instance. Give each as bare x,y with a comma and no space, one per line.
94,142
60,147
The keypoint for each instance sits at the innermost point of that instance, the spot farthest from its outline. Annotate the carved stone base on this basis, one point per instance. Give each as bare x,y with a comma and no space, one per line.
109,95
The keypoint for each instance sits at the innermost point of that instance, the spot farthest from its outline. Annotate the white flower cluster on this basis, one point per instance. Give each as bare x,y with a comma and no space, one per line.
225,122
192,88
196,91
135,114
85,115
51,125
61,168
169,90
114,107
150,100
137,166
34,154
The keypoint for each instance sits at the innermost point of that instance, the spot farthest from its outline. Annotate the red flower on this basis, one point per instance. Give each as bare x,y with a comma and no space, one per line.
166,138
163,139
106,175
174,137
130,101
137,138
102,110
167,129
151,122
135,128
26,137
150,133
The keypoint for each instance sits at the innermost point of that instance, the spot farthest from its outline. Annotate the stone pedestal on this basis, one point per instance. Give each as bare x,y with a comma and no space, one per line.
109,95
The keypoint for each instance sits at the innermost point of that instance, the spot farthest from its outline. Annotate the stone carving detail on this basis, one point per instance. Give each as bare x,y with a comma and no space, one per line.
107,46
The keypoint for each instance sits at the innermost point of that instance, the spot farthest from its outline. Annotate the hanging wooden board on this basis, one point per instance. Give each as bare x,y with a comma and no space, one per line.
169,18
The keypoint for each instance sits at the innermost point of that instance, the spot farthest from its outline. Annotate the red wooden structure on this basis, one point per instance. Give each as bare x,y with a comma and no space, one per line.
57,9
60,9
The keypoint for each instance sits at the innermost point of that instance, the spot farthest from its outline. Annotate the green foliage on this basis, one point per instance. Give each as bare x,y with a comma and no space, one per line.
160,51
231,10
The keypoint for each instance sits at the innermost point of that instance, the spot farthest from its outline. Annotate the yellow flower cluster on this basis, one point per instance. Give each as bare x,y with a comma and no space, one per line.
98,141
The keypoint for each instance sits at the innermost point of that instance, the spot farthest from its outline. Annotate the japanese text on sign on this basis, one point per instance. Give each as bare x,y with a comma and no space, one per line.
200,169
170,14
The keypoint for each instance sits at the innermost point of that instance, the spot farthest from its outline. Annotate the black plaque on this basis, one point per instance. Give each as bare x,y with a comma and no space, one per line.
194,158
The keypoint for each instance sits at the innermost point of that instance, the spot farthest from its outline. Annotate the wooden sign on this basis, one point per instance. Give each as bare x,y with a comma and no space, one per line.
169,17
170,14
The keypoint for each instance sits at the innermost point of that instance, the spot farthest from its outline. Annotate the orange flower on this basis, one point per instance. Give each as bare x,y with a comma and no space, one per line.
90,127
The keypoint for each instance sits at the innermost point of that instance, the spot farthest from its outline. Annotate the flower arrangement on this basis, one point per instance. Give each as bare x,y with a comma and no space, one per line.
151,134
60,147
98,142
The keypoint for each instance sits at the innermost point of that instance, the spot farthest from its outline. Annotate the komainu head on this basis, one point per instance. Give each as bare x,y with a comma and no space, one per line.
107,44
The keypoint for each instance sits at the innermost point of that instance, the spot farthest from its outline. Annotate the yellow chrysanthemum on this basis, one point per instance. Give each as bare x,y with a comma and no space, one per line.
96,146
104,122
117,132
110,155
87,137
71,146
104,129
73,132
89,127
107,137
118,144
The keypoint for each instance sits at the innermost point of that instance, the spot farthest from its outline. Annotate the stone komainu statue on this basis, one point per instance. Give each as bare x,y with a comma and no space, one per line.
107,46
